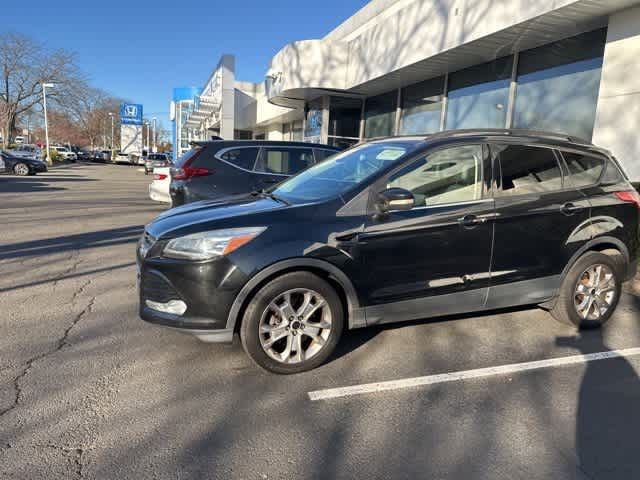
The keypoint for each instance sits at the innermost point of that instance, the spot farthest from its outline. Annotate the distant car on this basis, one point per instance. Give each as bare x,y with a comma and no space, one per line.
27,151
84,155
19,165
221,168
121,157
65,153
155,160
159,188
19,140
102,155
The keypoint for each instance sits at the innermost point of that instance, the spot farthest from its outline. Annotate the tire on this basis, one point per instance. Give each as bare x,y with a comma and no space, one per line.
21,169
317,343
566,309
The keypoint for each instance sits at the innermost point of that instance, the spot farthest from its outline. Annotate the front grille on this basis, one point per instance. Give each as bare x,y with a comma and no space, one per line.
156,288
146,242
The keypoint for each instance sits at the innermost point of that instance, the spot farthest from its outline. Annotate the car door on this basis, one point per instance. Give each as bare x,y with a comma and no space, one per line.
433,259
541,221
277,163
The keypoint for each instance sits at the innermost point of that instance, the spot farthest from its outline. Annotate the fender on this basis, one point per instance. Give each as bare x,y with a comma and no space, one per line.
593,243
355,313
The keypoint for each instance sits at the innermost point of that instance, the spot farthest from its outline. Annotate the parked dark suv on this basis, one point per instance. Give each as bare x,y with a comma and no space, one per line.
220,168
397,229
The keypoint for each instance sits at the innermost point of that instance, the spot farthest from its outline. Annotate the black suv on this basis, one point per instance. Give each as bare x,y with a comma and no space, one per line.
216,169
397,229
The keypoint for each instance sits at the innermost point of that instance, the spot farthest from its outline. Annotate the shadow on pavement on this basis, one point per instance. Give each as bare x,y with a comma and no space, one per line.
606,428
81,241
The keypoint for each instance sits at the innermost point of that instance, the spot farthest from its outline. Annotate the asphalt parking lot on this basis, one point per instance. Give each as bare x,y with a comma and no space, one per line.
87,390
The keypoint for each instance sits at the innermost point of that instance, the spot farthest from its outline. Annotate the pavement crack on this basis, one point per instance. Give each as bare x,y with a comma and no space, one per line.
60,344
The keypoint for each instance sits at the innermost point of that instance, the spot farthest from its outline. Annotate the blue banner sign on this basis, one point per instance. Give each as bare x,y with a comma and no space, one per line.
131,114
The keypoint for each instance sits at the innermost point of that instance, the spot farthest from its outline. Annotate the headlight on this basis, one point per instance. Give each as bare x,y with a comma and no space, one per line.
207,245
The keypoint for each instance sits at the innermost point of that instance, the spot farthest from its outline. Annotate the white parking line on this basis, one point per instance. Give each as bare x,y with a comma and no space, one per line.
330,393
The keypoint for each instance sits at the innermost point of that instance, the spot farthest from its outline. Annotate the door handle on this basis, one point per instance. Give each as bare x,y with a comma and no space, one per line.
571,208
470,221
270,180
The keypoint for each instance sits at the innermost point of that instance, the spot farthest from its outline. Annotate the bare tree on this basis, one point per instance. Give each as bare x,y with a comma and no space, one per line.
24,66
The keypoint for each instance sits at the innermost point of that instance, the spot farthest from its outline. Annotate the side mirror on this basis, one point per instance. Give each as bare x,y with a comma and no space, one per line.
395,199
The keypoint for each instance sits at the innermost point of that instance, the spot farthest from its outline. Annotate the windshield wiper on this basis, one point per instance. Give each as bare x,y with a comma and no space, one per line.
262,193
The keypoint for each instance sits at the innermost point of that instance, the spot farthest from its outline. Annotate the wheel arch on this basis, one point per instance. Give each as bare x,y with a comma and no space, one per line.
606,245
329,272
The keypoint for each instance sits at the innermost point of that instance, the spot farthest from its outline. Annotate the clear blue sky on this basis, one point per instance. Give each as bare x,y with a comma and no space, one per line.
140,49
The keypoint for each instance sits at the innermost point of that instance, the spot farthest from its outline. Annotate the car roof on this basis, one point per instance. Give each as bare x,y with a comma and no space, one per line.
261,143
525,136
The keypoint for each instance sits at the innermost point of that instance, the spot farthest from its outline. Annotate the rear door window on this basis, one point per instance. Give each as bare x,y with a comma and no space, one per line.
321,154
526,170
583,169
284,160
241,157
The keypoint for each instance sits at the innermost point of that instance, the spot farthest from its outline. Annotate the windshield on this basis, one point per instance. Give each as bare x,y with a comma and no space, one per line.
340,173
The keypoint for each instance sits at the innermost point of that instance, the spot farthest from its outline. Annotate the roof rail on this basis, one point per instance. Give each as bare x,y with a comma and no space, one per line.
517,132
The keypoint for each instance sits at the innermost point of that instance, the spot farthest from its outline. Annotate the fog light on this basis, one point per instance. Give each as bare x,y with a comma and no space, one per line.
175,307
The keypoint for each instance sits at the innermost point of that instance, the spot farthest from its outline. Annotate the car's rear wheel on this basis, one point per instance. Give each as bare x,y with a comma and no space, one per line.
21,169
293,323
590,291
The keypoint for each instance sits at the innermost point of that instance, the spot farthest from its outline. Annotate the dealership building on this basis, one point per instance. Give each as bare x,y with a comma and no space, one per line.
414,67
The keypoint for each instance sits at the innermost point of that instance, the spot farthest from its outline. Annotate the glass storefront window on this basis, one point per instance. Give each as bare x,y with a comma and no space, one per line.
380,115
479,95
558,85
344,117
422,107
296,132
313,128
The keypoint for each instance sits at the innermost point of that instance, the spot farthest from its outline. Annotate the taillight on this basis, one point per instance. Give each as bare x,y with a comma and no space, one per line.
186,172
629,197
159,176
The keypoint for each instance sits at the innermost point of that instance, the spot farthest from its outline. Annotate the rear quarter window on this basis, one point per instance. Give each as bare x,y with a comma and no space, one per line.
583,169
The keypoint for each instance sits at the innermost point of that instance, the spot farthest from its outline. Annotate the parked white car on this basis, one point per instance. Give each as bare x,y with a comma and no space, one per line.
159,188
65,153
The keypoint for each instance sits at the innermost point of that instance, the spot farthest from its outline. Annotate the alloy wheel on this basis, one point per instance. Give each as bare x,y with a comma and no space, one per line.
21,169
295,326
595,292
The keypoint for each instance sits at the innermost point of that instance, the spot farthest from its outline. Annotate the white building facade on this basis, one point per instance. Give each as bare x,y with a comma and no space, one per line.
416,67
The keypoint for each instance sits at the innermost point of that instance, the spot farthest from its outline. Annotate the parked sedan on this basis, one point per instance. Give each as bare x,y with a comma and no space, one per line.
155,160
220,168
19,165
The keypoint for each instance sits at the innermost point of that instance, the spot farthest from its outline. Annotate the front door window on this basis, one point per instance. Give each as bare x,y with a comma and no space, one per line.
452,175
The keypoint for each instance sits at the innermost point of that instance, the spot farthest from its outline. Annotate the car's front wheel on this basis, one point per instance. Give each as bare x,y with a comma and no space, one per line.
590,291
21,169
293,323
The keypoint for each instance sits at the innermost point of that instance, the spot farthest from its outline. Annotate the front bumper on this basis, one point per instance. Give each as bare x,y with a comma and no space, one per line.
207,289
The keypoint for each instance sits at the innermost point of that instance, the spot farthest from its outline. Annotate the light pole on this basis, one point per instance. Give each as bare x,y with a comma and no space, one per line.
146,146
46,124
154,134
111,115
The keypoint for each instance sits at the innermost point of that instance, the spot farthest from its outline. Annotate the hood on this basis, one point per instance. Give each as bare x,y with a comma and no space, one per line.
192,217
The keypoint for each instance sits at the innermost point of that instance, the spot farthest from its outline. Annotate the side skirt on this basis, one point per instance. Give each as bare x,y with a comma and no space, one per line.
527,292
